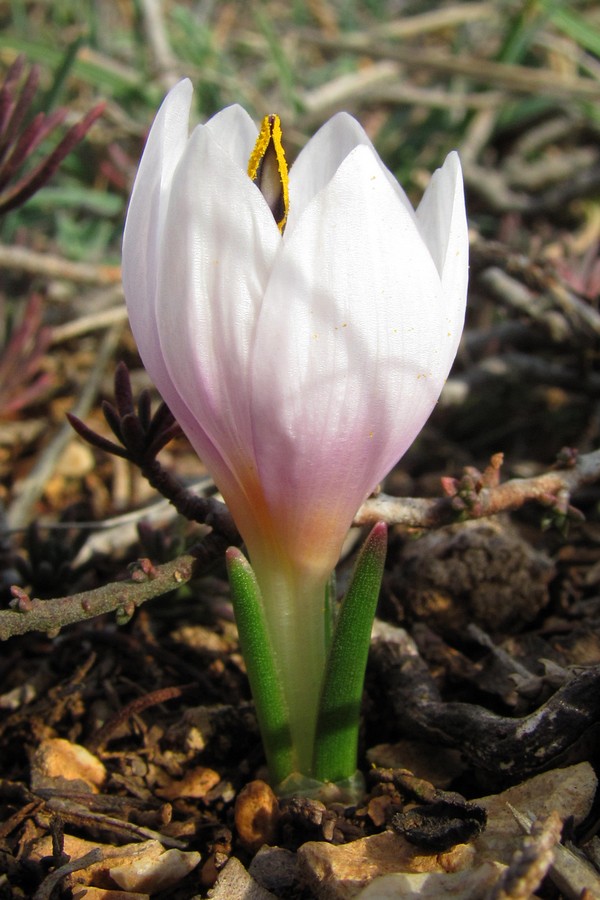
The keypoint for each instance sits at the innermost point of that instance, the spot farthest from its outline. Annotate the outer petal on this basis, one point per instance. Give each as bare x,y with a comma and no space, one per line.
143,228
219,246
321,157
353,309
442,221
143,239
236,132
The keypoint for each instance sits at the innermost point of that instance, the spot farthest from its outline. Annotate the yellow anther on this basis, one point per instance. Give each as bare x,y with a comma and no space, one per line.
268,168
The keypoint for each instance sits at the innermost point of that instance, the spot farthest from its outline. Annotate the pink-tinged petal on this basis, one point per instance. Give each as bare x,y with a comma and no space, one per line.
236,132
321,157
348,359
219,246
142,247
143,229
442,221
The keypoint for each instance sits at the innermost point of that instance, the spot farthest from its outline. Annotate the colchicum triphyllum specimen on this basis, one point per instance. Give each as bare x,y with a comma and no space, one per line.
301,356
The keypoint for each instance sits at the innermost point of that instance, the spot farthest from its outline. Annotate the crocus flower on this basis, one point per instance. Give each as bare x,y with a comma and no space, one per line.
300,363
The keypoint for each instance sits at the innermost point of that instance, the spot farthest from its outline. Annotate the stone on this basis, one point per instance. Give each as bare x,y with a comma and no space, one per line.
154,869
139,869
569,791
385,865
196,783
275,869
57,758
256,815
339,872
465,885
236,883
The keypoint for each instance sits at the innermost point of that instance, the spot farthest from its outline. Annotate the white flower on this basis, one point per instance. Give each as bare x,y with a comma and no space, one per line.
301,364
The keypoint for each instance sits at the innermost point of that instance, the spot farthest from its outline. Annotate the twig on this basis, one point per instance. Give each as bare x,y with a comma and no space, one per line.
402,92
148,581
80,815
435,20
519,79
521,367
513,494
165,62
20,259
516,295
124,597
518,747
571,873
46,888
98,321
99,740
530,863
490,184
477,134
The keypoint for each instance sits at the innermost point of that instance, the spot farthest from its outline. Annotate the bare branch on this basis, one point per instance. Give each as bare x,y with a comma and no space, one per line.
147,581
474,496
555,485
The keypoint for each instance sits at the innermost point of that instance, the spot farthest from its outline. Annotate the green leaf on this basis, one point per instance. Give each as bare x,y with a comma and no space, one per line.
101,72
576,27
336,742
265,682
77,197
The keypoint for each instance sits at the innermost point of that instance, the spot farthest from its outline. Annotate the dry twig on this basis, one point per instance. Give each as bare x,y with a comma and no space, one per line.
554,485
473,497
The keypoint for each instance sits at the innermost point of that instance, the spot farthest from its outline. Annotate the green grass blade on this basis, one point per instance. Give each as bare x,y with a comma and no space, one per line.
577,28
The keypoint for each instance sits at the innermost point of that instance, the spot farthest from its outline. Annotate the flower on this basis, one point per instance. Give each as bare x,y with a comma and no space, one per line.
300,363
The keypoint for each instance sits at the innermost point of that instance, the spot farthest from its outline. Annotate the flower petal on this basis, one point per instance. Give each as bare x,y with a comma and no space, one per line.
353,309
143,227
236,132
142,238
322,156
442,221
219,245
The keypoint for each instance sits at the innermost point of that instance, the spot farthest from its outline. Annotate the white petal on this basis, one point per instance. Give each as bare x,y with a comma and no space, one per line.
320,159
348,358
442,221
143,228
236,132
219,243
142,242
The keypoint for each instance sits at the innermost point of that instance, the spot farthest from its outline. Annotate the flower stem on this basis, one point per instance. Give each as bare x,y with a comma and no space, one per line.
263,674
336,739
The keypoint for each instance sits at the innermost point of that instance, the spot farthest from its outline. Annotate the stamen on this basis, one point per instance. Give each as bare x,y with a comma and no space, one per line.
268,168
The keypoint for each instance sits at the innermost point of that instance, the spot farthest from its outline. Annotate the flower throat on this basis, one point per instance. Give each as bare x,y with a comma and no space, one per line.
268,168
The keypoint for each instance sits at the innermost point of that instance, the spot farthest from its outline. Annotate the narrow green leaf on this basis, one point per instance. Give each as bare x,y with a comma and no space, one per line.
265,683
577,28
99,71
336,742
62,73
77,197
